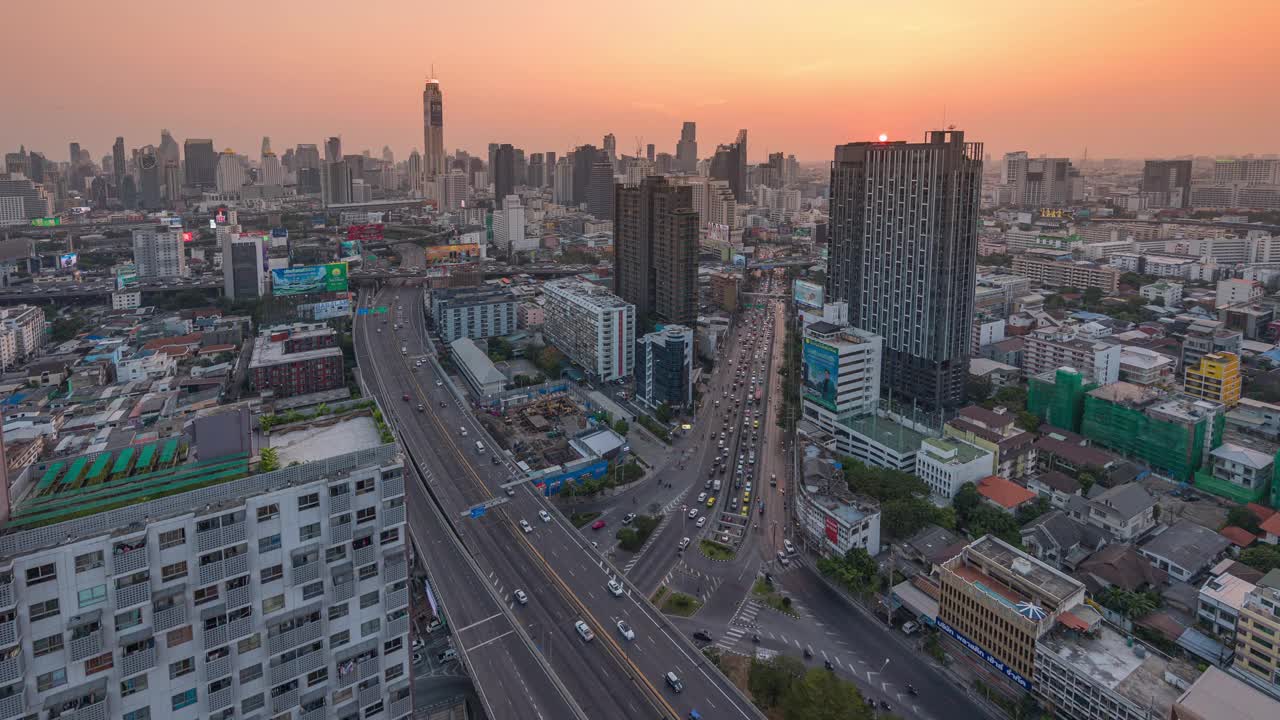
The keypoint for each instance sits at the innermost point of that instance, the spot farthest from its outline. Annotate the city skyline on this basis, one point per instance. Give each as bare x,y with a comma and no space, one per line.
1038,79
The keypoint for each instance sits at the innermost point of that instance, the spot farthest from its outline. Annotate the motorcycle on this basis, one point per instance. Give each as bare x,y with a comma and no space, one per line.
808,653
755,638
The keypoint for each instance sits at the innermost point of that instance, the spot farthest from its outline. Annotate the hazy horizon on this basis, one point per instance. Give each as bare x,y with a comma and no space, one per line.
1128,79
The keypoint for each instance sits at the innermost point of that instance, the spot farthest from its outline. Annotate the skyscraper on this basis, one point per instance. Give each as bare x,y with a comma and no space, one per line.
117,162
726,165
687,148
600,188
1037,182
656,250
535,171
743,191
202,163
584,156
242,275
158,252
333,149
168,150
611,149
562,184
432,130
549,165
414,168
451,190
1171,179
149,176
306,164
904,228
503,171
271,173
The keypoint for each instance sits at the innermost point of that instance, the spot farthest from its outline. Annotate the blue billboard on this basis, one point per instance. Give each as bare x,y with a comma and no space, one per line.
821,373
978,650
551,484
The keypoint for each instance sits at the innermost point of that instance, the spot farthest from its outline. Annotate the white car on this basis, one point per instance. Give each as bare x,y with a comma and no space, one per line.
583,631
439,383
625,630
544,515
521,597
615,588
684,543
525,526
702,497
702,521
693,513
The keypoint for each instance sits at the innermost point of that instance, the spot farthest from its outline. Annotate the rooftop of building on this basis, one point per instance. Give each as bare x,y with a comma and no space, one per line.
585,292
1245,456
1187,545
952,452
476,361
1110,660
1013,565
1005,493
1218,694
1124,501
272,352
480,295
893,435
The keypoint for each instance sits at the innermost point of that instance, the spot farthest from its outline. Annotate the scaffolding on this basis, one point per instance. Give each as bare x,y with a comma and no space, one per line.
1176,447
1057,397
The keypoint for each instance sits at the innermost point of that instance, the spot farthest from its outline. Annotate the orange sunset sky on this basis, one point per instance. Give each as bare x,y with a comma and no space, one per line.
1126,78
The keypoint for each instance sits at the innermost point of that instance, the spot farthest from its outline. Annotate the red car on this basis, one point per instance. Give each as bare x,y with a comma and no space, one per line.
597,524
405,397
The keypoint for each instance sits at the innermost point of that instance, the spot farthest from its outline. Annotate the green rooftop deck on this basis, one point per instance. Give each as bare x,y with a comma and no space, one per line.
122,462
99,468
166,454
147,457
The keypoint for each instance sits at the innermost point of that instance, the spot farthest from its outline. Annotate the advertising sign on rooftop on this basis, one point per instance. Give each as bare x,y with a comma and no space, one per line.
331,277
821,373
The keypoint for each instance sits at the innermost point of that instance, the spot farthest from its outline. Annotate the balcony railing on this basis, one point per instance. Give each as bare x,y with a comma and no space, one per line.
339,503
392,487
286,671
222,698
11,668
237,564
170,617
9,632
399,626
212,572
215,636
85,647
313,714
6,591
240,627
239,597
370,695
396,569
137,662
217,668
303,574
343,590
295,637
339,533
283,702
220,536
131,595
12,702
129,561
369,668
401,707
363,556
396,599
393,516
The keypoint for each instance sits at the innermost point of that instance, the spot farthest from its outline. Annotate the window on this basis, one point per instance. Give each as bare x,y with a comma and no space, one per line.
89,561
187,698
135,684
368,599
269,543
343,695
337,611
251,673
315,677
369,571
268,512
176,637
221,684
51,679
371,627
395,671
366,485
252,703
128,619
92,596
272,604
373,709
309,532
390,536
365,515
335,553
41,574
42,610
142,713
105,661
311,590
339,490
342,637
185,666
44,646
311,500
393,645
173,538
271,574
249,644
205,595
172,572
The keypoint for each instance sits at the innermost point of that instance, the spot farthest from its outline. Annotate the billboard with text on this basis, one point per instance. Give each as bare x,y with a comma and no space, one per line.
808,294
821,373
331,277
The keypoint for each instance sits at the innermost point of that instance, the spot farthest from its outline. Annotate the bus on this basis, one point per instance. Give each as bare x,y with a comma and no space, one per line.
759,395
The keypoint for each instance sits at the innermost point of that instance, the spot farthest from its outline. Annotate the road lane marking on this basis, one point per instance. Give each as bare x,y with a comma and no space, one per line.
490,640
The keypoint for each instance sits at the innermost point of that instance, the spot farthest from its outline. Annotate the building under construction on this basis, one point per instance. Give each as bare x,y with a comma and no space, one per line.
1172,434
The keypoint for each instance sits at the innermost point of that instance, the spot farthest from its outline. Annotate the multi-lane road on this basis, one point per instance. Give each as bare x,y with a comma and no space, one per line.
562,575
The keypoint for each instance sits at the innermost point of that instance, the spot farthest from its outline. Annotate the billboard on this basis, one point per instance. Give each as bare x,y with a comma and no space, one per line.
46,222
437,253
67,260
326,310
331,277
821,373
126,276
832,528
808,294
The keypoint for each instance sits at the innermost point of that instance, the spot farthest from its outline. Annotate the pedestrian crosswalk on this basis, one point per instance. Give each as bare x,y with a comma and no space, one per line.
746,614
645,548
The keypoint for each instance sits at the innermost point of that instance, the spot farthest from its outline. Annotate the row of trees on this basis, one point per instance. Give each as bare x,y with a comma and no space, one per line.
904,498
786,689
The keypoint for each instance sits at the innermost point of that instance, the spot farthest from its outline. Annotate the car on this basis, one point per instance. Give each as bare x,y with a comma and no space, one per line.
711,502
405,397
525,526
417,658
511,492
615,588
702,521
546,517
583,631
702,635
673,681
702,497
625,630
910,627
520,597
684,543
693,513
597,524
462,431
420,408
439,383
791,549
447,655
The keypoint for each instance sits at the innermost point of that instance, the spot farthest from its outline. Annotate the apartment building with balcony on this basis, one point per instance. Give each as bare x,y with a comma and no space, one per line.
1051,272
1216,378
593,327
204,592
1048,349
1258,636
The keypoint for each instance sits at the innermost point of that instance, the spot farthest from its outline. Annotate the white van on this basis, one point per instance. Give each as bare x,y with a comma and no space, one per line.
404,351
462,431
791,549
479,447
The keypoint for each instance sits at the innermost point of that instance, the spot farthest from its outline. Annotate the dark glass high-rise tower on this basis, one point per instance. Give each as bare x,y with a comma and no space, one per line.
201,163
904,241
655,232
504,173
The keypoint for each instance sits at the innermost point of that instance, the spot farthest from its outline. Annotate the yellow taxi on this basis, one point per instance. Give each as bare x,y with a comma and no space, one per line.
711,501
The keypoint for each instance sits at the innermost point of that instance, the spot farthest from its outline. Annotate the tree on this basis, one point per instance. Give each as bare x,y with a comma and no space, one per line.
663,413
1243,517
549,361
1263,558
1012,397
856,571
621,427
66,328
1087,480
977,389
1031,511
822,695
269,460
1092,296
769,680
1027,420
